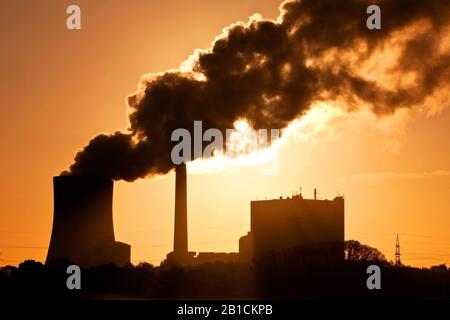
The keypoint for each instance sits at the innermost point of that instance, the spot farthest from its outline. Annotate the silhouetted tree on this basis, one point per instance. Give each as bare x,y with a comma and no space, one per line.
355,251
304,272
439,268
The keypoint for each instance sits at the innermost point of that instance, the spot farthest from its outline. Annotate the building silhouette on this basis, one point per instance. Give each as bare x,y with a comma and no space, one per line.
246,248
293,222
211,257
276,225
83,229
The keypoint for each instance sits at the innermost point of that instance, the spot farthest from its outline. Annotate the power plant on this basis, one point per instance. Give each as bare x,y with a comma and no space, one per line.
295,222
275,225
83,229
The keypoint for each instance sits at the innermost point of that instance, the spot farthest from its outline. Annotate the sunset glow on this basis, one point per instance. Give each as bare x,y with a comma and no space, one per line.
60,89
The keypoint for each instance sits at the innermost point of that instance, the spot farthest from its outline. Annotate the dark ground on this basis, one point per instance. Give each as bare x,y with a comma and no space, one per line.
276,276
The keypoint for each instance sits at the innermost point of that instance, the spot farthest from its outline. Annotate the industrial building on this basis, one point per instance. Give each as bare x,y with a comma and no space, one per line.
83,229
246,248
294,222
277,224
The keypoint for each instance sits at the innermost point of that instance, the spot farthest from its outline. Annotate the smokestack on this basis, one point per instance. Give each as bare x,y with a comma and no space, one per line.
83,229
180,241
180,254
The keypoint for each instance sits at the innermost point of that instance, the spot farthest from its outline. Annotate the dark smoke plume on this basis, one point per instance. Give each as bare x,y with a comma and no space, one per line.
272,72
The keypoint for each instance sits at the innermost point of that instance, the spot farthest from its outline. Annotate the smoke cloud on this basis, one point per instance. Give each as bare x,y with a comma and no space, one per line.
272,72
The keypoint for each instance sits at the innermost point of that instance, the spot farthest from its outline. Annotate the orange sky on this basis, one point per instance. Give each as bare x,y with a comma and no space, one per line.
59,88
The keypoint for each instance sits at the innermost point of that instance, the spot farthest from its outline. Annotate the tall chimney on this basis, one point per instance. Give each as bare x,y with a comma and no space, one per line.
180,241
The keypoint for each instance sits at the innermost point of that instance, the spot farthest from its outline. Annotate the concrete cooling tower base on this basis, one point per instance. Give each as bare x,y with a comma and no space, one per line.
83,229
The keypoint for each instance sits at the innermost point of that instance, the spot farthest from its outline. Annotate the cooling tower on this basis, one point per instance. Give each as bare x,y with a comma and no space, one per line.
83,229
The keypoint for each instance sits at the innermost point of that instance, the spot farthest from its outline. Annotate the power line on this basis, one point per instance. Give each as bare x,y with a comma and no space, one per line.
425,236
11,260
138,231
133,246
23,247
25,232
